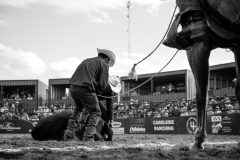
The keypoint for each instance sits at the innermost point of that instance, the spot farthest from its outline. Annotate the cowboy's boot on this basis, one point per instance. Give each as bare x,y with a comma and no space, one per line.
73,126
69,133
81,125
90,128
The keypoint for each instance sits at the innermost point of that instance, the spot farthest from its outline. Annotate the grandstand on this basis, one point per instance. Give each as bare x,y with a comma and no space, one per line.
179,84
29,93
155,98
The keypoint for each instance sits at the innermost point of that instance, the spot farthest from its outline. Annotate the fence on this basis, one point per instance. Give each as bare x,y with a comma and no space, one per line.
216,124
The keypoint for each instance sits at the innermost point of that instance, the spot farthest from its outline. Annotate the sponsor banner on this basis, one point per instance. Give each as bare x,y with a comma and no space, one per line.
134,130
217,124
15,126
163,125
224,124
117,126
186,125
191,125
137,125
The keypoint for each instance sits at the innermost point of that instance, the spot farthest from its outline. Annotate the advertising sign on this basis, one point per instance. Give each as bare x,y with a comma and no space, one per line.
15,126
225,124
186,125
163,125
117,126
137,125
191,125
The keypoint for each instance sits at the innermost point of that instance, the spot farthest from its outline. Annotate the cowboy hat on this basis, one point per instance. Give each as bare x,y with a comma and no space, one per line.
114,83
110,55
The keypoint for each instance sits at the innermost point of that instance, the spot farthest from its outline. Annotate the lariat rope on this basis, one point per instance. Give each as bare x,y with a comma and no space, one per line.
169,25
143,82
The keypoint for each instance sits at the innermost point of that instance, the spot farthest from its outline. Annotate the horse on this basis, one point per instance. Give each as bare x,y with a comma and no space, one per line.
209,25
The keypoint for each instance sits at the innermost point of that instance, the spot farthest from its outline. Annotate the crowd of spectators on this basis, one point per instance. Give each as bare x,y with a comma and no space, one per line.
183,107
47,110
14,110
164,89
132,109
169,88
23,95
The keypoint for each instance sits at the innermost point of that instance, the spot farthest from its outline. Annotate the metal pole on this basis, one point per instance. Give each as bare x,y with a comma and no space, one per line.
128,30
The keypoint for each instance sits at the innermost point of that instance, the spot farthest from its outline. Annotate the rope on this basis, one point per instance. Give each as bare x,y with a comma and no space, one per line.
169,25
145,81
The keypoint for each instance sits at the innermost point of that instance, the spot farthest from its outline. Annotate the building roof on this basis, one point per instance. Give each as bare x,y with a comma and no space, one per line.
161,74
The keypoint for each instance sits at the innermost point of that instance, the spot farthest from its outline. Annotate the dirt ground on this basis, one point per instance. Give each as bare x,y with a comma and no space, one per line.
137,146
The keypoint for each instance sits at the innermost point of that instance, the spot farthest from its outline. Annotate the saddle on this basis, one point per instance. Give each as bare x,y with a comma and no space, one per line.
175,40
194,28
223,17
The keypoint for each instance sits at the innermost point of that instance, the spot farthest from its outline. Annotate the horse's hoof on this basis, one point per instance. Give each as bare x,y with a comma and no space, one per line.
195,147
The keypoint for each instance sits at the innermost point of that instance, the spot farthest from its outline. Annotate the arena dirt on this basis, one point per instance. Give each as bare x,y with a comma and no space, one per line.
136,147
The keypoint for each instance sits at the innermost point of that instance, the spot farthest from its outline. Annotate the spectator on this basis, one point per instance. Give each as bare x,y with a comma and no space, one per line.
17,97
34,117
164,112
176,111
39,112
25,116
29,97
184,111
210,111
193,112
218,111
213,103
170,87
158,114
236,108
170,114
4,108
131,113
13,109
183,103
229,107
46,111
149,113
19,108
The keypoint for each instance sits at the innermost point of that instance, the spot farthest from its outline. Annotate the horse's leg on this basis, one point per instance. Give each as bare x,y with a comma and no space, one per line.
237,61
236,51
198,56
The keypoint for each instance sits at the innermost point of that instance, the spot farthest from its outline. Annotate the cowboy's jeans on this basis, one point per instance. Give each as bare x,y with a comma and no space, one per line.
87,100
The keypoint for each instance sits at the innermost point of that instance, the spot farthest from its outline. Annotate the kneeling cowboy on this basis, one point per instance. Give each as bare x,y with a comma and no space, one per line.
89,80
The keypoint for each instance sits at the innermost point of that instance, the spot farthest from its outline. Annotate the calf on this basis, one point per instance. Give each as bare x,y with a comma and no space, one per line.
52,127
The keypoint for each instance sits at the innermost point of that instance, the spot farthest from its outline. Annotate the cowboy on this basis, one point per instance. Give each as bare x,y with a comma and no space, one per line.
105,123
89,80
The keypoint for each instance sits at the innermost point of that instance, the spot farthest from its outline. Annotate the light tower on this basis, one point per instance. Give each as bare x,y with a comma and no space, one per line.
128,30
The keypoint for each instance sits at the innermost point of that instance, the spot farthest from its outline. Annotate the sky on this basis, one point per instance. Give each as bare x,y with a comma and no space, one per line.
47,39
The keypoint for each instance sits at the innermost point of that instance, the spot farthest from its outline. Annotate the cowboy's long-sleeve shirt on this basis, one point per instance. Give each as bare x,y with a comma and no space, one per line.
92,73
